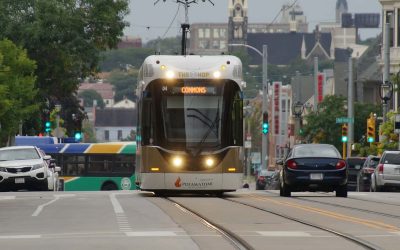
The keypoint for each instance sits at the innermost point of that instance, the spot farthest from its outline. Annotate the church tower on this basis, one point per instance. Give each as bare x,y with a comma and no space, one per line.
238,20
341,8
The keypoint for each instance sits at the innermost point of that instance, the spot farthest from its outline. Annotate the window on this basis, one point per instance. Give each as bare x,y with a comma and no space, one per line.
223,33
124,164
119,135
222,44
99,163
201,33
207,33
216,33
215,44
107,135
73,165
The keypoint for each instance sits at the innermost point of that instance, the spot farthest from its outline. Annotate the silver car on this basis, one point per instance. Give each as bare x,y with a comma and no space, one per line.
27,167
387,174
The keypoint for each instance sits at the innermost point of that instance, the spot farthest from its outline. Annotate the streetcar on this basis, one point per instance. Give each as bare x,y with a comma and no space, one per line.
190,124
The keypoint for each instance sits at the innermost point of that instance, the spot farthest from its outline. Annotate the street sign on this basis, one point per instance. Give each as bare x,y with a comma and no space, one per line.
247,144
397,124
344,120
255,158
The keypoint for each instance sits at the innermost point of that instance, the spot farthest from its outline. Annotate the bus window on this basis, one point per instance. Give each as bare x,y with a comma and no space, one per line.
100,163
124,164
74,165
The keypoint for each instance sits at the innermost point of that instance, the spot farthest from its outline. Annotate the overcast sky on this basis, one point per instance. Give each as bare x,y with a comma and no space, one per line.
150,21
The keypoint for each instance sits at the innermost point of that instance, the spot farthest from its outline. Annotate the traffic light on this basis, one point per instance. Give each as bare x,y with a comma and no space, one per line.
265,124
47,126
371,129
344,133
78,136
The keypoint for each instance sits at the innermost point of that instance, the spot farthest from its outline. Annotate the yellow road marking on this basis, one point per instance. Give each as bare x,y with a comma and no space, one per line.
365,222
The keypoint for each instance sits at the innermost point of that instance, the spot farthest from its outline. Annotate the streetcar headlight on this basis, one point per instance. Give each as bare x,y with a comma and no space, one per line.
177,161
210,162
163,67
217,74
170,74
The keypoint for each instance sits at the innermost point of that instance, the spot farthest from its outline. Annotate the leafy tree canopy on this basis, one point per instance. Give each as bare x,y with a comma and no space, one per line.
65,38
89,95
17,89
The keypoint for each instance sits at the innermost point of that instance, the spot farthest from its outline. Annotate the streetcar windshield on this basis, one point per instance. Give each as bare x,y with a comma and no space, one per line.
193,119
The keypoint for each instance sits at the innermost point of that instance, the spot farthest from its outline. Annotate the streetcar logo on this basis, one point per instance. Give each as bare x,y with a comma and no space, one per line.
178,182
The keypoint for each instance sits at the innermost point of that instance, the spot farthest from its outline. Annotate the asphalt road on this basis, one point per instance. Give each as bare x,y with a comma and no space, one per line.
138,220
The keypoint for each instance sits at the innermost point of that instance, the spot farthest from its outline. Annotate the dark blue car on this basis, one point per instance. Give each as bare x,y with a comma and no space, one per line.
313,167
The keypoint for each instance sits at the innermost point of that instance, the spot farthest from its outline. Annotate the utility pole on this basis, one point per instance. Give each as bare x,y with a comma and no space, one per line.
265,137
386,67
350,107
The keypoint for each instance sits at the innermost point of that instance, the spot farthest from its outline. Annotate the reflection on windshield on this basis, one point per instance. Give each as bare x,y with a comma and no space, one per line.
18,154
193,119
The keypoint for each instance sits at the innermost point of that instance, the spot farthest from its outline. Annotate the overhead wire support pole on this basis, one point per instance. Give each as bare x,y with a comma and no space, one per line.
185,26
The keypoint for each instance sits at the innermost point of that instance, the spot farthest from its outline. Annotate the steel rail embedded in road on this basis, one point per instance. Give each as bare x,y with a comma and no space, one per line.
351,208
359,242
233,238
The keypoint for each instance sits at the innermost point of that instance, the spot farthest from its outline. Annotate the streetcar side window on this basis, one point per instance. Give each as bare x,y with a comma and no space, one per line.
147,123
237,118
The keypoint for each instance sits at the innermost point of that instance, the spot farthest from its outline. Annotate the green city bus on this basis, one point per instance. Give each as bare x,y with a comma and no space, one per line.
94,166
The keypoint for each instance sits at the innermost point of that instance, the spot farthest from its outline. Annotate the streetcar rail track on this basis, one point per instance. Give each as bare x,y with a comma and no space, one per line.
356,240
233,238
349,207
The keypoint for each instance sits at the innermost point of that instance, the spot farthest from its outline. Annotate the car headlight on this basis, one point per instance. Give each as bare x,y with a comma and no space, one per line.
37,166
3,169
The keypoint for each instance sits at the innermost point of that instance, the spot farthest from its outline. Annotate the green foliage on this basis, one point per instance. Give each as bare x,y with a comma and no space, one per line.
89,95
124,58
88,132
167,46
124,84
17,89
321,126
65,38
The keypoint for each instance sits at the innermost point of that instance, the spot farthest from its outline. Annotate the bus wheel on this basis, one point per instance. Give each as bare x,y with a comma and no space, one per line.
109,186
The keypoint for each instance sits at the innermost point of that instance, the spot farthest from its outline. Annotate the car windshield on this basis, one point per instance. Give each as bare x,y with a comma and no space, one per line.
19,154
392,158
355,162
373,162
315,151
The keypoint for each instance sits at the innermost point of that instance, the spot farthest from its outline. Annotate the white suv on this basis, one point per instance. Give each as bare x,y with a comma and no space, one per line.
27,167
387,174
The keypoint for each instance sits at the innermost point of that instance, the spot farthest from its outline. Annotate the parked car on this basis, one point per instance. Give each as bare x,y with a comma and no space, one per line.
364,175
27,167
354,165
263,179
274,182
313,167
387,174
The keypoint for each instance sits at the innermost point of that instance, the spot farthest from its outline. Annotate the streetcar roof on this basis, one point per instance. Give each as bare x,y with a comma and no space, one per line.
191,66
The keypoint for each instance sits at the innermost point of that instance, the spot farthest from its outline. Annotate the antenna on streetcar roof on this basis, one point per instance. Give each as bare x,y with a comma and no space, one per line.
185,26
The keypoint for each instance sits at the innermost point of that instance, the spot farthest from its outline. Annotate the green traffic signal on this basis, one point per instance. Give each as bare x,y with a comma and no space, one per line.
78,136
265,128
47,126
370,139
344,138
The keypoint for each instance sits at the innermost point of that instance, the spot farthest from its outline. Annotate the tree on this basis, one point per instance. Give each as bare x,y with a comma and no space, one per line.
124,58
65,38
124,83
89,95
17,89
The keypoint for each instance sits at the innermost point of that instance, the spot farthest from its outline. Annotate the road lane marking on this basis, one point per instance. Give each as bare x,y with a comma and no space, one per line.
284,233
122,220
151,234
365,222
7,198
40,208
7,237
117,207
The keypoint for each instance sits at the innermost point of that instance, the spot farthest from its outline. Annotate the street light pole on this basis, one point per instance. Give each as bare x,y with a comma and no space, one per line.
264,55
